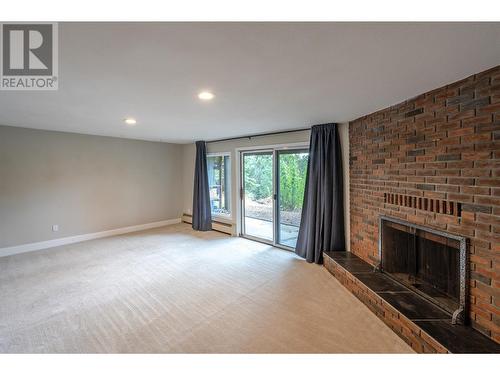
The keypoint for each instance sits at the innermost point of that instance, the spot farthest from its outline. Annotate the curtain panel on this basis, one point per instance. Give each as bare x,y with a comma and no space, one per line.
202,215
322,220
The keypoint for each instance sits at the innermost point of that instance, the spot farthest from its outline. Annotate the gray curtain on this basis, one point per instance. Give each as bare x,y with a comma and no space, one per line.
202,216
322,221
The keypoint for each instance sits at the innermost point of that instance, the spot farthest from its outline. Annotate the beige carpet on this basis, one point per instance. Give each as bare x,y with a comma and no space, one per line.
175,290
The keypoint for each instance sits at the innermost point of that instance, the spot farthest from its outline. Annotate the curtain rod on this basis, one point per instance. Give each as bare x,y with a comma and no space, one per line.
257,135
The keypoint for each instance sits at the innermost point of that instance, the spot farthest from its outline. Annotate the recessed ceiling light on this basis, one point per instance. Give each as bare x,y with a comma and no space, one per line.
206,95
130,121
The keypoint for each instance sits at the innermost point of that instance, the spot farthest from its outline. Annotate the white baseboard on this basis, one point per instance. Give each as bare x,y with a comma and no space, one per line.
5,251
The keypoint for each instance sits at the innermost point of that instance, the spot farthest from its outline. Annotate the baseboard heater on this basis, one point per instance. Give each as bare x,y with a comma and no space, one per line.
218,226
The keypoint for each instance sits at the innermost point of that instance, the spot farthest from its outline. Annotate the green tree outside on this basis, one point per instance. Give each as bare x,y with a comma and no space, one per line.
292,176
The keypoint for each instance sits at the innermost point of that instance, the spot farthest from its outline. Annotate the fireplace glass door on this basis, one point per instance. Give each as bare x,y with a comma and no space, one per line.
424,261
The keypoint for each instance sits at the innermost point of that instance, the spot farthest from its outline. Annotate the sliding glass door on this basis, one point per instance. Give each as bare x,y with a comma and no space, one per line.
272,192
291,169
258,195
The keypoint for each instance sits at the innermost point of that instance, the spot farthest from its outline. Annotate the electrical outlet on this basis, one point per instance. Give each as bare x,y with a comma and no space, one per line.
55,227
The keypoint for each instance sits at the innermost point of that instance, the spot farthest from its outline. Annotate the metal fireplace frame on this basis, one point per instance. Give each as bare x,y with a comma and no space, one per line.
459,315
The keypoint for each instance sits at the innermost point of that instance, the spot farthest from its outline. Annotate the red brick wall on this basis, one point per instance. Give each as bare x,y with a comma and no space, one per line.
444,144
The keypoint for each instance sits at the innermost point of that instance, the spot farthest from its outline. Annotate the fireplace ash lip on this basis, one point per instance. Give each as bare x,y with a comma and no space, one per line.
459,316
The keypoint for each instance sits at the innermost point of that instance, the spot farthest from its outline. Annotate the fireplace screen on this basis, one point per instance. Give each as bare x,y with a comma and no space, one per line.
430,262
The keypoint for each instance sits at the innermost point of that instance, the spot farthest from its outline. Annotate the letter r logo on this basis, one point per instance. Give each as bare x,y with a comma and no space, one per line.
27,49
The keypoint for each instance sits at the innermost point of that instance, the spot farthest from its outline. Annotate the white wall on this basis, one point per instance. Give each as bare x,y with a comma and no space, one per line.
88,184
189,153
344,143
188,160
83,183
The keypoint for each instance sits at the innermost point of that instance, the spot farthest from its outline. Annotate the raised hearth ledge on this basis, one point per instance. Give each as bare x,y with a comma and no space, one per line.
422,325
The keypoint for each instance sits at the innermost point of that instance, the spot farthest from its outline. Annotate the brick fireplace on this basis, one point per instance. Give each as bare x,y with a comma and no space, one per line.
434,161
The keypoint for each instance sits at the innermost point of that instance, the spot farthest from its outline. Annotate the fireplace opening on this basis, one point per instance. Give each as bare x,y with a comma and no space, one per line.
427,261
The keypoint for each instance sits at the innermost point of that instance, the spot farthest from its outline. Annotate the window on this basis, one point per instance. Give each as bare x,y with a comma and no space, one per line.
219,182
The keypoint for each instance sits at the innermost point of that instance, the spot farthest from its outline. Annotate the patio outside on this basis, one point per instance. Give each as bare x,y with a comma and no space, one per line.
259,222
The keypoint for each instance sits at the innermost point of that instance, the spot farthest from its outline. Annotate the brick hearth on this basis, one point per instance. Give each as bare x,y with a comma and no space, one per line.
425,327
